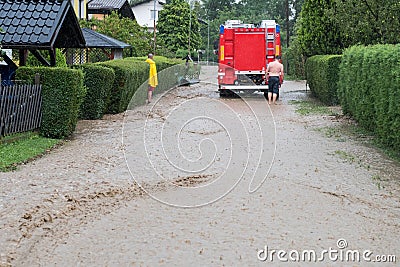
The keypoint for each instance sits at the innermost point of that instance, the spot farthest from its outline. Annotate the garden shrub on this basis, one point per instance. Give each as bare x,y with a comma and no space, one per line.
322,77
128,77
369,89
62,95
98,81
130,74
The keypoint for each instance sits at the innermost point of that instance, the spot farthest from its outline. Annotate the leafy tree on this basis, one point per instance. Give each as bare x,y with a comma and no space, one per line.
317,33
257,10
329,26
213,8
124,30
178,27
32,61
369,22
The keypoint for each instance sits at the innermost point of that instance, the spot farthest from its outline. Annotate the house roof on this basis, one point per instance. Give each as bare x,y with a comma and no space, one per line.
34,24
107,6
97,40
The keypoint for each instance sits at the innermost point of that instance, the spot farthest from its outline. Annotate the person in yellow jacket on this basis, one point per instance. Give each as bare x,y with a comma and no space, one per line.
153,81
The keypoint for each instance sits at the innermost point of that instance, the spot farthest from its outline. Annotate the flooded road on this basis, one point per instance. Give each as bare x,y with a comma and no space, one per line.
196,180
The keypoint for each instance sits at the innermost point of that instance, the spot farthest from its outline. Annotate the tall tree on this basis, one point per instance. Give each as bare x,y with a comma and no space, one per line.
369,22
214,7
178,27
123,29
257,10
317,32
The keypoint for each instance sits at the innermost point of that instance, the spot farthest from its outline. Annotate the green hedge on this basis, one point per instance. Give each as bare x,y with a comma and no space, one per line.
128,77
98,81
322,77
169,71
130,74
62,93
369,89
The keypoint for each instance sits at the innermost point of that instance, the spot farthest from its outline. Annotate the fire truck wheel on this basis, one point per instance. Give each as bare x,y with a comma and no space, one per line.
223,93
233,94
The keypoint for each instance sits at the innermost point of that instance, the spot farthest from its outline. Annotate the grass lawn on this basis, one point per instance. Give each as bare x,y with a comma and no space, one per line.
21,148
311,108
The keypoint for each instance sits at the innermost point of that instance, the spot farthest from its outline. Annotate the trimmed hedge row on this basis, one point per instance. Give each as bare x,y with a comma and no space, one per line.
90,90
62,94
322,77
369,89
130,74
98,81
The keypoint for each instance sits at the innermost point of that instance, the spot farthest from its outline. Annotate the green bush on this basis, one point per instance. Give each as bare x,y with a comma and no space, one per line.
294,61
98,81
128,77
62,94
369,89
322,77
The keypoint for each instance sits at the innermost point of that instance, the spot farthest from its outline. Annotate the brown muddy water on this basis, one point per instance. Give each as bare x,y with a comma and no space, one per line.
196,180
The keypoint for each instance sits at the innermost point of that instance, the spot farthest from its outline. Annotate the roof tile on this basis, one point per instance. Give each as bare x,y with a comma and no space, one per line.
45,15
7,6
32,22
28,30
40,22
36,14
52,15
19,14
31,7
11,13
23,6
47,8
15,6
37,30
25,38
46,30
27,14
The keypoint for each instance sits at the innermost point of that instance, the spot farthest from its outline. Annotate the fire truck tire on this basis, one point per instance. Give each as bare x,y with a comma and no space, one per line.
223,93
233,94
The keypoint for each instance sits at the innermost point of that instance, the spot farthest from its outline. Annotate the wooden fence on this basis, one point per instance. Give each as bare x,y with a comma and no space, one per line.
20,107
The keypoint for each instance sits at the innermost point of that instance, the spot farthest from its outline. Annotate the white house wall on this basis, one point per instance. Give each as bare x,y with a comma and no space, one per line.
142,13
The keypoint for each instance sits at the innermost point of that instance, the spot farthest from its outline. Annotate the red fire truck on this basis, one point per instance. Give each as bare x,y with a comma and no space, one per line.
243,55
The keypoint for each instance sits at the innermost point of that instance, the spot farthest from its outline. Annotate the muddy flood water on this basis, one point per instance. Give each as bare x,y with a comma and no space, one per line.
193,179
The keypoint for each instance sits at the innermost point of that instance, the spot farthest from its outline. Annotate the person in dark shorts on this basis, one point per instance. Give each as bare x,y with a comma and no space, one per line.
275,78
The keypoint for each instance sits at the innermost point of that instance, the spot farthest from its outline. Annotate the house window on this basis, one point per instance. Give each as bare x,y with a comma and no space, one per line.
153,14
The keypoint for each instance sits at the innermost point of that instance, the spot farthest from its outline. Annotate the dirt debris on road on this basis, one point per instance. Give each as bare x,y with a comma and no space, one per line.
97,201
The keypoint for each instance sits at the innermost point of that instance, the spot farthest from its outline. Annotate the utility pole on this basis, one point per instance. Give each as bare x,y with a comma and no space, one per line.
154,27
287,33
208,39
190,24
